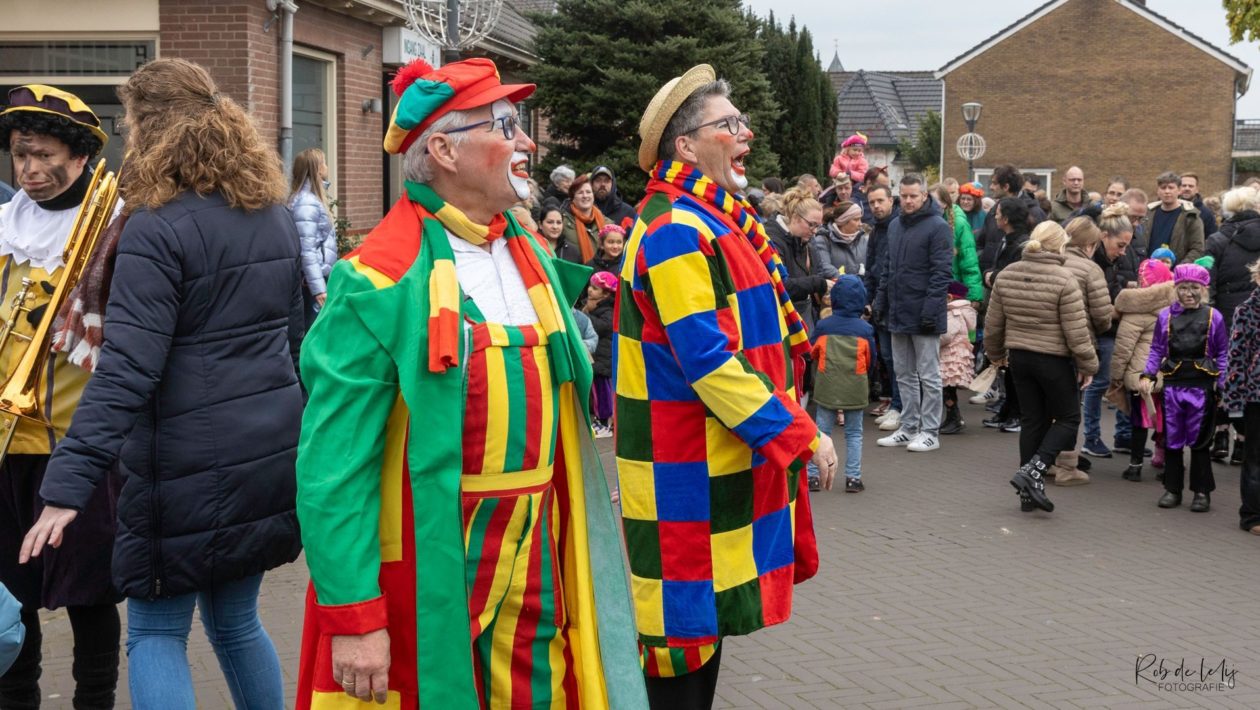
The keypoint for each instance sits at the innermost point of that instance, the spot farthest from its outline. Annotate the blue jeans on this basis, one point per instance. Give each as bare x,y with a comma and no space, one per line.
826,421
885,356
157,648
1094,395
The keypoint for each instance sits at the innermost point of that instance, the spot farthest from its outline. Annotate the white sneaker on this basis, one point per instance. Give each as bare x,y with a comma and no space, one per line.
901,437
883,417
892,421
923,442
984,397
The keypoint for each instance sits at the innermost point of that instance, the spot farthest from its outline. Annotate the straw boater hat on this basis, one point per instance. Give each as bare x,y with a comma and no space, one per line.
663,106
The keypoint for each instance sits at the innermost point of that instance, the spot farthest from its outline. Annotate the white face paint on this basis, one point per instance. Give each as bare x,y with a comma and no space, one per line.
518,168
740,180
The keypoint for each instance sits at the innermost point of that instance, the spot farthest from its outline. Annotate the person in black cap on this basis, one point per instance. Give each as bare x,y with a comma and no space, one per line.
608,200
52,136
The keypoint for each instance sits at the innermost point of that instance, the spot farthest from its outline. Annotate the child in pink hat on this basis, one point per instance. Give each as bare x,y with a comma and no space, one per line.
851,159
601,292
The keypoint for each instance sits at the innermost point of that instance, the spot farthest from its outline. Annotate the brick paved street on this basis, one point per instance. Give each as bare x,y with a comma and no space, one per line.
936,591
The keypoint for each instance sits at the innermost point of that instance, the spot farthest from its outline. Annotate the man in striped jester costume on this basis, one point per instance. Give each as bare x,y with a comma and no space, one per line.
457,523
711,438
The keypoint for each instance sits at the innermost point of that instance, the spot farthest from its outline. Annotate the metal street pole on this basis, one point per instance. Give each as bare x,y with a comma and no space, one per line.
451,53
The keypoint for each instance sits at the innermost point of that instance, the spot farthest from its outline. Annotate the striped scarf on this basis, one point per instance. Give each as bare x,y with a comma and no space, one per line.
678,179
445,298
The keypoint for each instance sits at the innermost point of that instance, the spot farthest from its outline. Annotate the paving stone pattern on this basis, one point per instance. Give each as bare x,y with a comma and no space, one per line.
937,592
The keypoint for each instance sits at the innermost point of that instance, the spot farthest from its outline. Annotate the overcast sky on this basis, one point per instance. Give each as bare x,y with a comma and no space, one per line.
925,34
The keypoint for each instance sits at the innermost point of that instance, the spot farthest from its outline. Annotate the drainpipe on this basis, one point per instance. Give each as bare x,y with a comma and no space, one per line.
287,7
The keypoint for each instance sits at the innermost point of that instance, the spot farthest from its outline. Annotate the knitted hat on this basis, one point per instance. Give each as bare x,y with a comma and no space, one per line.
426,94
1153,271
971,188
957,289
858,138
1164,253
39,98
606,280
611,227
1191,273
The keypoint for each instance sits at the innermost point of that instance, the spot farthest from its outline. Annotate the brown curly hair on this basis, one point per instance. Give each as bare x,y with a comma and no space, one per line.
183,135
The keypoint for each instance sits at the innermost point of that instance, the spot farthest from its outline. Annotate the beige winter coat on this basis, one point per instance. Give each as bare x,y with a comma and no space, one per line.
1036,305
1137,309
1094,293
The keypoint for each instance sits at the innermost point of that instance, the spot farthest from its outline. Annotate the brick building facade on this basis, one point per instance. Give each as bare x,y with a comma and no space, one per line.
1108,85
344,53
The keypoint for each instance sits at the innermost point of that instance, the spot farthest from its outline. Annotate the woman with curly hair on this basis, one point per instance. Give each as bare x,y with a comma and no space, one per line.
195,397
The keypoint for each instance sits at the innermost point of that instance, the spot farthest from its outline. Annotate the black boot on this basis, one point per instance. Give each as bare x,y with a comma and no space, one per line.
1133,472
1170,499
1201,503
1029,481
953,423
1239,455
1220,445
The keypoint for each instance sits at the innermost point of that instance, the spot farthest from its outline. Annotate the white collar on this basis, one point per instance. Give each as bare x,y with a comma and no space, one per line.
30,233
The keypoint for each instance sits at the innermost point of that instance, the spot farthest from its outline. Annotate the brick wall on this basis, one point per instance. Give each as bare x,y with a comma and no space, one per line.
1096,85
229,39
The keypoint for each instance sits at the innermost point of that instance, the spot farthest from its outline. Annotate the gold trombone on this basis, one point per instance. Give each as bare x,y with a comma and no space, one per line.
20,396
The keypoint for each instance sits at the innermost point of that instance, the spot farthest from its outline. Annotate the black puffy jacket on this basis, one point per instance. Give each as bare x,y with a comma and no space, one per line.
1234,248
196,398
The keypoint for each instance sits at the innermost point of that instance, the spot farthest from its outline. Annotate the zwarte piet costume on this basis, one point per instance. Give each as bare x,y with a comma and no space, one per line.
449,490
1189,352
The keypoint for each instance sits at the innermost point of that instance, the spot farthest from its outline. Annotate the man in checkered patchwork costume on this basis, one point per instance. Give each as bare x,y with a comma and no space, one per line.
711,440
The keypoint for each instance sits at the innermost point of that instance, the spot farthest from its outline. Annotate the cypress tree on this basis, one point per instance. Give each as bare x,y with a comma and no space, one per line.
601,61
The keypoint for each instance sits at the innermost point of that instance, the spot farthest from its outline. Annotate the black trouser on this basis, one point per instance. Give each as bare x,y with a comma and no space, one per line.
693,691
1249,478
1138,433
1010,405
1201,478
1050,403
95,668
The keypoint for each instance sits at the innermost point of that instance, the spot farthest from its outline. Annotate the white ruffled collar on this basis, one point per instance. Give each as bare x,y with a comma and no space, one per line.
30,233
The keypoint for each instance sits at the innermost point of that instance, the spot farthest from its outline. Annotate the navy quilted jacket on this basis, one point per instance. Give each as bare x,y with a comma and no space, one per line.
195,398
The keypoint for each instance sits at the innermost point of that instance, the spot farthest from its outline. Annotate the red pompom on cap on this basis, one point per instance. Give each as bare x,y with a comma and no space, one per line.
408,74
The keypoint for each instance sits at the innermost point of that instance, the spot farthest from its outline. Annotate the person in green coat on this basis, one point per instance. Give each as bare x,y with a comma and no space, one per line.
966,263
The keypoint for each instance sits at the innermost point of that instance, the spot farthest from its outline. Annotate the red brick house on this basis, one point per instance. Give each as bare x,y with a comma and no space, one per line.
344,52
1109,85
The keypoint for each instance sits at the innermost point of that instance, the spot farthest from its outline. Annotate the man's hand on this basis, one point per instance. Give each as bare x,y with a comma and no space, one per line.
825,460
321,298
1083,380
46,531
1145,386
360,664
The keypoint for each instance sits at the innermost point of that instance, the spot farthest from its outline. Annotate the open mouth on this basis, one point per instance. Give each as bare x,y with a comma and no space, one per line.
520,169
737,164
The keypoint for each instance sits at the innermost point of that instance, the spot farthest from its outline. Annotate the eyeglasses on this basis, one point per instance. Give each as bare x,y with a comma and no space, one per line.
732,124
506,123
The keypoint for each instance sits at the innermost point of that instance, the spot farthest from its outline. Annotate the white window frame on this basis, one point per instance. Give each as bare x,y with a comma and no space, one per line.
330,111
984,175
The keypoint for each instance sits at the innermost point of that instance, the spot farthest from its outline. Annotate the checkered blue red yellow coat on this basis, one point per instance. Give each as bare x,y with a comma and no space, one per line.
710,436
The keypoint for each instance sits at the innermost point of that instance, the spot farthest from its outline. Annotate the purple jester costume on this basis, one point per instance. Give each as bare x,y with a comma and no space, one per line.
1189,350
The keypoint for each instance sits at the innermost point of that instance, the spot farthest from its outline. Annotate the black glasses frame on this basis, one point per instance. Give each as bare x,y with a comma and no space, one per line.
732,124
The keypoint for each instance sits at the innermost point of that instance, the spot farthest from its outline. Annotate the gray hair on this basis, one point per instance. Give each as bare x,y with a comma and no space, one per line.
416,166
686,118
562,172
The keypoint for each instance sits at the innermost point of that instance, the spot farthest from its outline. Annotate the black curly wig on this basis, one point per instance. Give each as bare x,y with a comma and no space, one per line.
81,141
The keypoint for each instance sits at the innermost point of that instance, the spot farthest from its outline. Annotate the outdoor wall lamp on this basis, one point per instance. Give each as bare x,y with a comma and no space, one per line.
372,105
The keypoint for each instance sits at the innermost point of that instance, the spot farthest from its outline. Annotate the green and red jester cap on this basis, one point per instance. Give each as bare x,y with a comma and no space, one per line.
426,94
